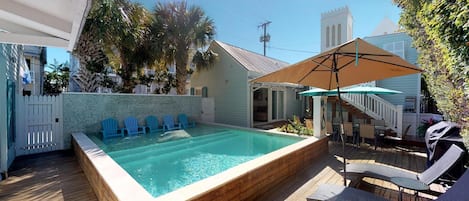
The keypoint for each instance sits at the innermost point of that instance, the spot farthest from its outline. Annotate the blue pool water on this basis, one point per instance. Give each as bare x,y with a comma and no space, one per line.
164,164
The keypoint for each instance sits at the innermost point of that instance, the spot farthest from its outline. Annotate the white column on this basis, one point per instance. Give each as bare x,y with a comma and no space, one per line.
319,115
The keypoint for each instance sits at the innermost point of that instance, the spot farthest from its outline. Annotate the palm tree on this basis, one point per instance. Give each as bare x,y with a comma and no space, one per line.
119,29
180,29
56,77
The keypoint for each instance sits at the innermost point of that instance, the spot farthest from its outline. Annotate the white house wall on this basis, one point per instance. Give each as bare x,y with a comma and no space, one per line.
9,63
227,83
410,84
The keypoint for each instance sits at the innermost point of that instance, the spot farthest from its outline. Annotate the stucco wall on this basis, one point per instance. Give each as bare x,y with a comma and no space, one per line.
83,112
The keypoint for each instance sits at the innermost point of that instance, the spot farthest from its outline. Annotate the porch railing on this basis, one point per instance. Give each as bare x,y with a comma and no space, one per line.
378,108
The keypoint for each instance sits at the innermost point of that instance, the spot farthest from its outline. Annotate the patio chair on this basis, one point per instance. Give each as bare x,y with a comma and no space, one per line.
335,192
132,128
330,130
168,123
110,128
348,130
440,167
153,124
184,122
367,131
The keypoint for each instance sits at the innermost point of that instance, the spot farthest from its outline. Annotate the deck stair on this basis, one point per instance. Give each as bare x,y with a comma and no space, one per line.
367,106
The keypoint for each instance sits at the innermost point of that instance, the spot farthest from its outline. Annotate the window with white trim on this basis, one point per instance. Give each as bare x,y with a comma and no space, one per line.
396,48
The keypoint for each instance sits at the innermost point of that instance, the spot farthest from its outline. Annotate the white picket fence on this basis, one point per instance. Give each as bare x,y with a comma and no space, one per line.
39,125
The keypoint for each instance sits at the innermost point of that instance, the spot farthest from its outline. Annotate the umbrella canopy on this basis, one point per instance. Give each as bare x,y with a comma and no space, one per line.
354,62
352,90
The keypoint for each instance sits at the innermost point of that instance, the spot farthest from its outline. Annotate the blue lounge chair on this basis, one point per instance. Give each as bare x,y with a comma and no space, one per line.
168,123
153,124
110,128
132,128
182,119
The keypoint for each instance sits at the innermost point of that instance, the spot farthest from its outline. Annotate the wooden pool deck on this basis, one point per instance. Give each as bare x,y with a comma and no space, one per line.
48,176
57,175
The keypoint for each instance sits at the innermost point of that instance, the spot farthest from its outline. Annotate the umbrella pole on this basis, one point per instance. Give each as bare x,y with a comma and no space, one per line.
341,129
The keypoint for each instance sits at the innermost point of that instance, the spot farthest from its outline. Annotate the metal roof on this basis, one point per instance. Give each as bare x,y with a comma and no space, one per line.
252,61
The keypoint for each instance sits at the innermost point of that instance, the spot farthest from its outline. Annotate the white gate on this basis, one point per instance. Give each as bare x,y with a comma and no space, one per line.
39,126
208,110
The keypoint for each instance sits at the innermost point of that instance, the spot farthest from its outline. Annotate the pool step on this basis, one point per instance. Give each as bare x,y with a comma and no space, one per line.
166,147
171,154
162,144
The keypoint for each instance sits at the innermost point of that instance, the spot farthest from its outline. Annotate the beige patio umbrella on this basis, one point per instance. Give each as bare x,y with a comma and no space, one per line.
351,63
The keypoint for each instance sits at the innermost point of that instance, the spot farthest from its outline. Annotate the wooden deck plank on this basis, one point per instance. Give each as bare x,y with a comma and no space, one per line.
50,176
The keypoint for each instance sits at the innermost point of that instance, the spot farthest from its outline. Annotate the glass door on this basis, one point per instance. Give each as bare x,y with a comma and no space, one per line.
278,109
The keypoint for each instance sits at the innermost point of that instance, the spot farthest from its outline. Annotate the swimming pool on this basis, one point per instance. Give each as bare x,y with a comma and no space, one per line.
162,164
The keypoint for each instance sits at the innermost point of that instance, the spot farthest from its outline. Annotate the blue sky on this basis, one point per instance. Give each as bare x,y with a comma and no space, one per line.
295,27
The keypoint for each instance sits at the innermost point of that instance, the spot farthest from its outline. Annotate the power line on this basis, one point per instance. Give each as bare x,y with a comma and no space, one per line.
292,50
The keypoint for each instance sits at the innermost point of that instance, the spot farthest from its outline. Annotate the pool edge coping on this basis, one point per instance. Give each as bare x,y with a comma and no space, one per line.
122,185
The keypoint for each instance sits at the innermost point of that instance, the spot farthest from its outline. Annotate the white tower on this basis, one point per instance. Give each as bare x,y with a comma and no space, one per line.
336,28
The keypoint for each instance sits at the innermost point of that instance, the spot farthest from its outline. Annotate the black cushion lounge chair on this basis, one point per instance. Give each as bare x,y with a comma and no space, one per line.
337,193
333,192
451,156
458,191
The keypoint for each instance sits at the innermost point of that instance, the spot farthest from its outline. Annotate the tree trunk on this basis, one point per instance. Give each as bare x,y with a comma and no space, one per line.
126,75
181,72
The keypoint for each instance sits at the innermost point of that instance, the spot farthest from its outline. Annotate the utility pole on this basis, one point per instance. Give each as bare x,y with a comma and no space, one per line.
266,37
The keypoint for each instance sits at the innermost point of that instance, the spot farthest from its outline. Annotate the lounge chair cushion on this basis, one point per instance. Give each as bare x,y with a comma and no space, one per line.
377,171
335,192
